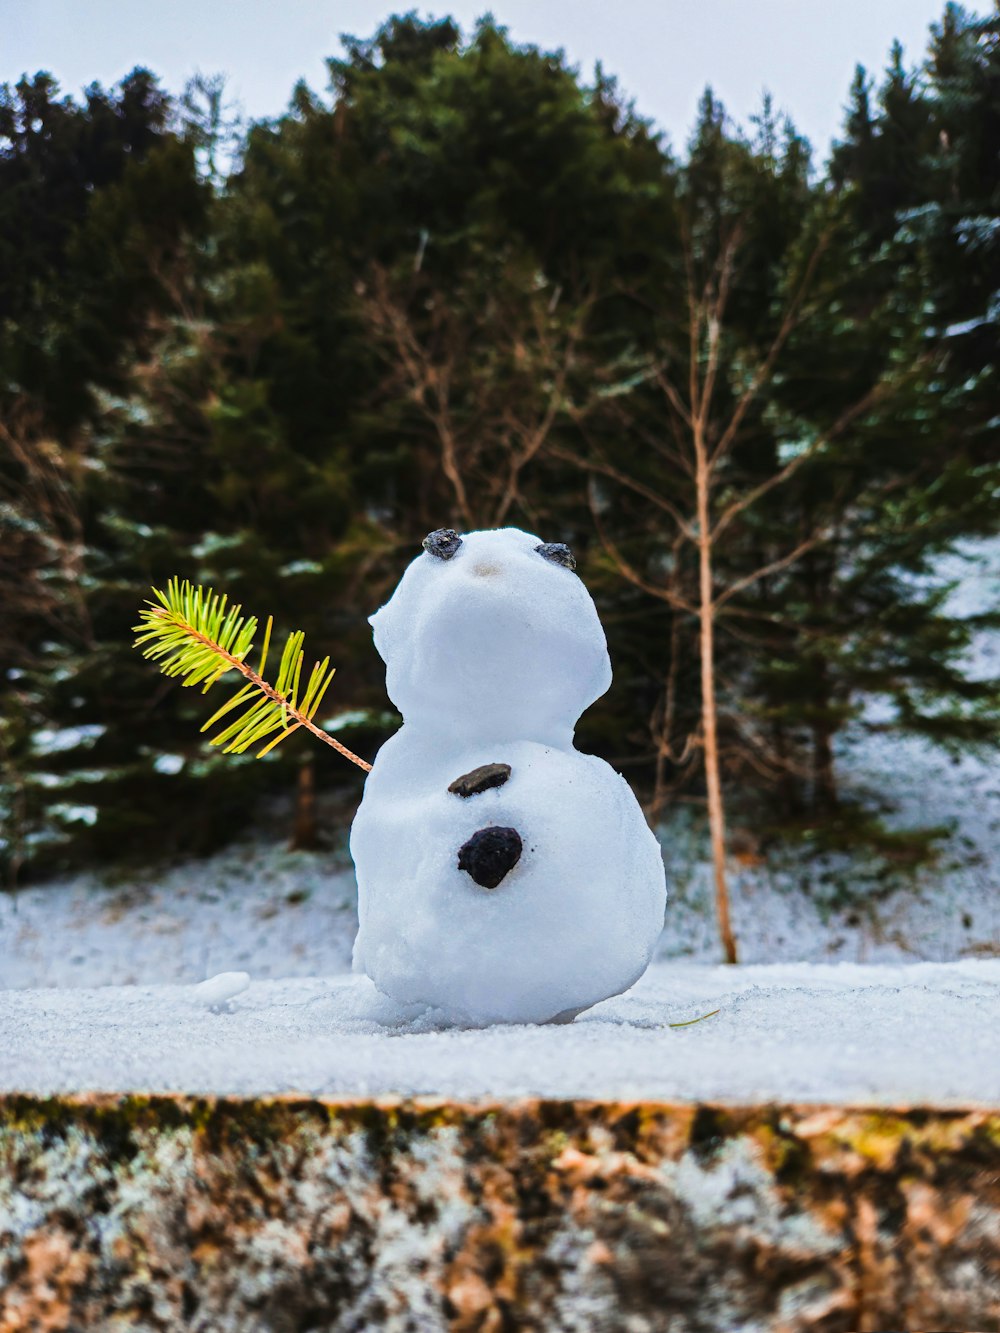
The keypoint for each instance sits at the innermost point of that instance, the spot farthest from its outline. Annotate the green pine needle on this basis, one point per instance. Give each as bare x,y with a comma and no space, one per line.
691,1021
191,634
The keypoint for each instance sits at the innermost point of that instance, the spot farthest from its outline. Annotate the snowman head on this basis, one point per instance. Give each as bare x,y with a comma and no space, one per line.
492,632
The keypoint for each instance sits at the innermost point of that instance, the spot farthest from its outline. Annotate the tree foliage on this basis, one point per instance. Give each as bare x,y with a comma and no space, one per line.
466,286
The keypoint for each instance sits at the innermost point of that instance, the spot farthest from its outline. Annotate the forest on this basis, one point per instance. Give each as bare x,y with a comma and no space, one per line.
755,393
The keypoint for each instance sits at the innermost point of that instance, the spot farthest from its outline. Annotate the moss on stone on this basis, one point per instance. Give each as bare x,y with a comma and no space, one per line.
281,1211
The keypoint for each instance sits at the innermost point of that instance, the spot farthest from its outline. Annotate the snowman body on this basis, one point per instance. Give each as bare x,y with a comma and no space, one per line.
503,876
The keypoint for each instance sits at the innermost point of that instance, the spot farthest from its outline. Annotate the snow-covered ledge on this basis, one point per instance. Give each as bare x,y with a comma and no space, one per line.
890,1034
819,1155
283,1214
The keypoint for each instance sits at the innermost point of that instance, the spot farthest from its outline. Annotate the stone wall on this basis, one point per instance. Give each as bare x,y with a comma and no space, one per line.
279,1215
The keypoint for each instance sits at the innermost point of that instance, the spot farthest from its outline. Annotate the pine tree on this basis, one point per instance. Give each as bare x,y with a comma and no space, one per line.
918,479
94,203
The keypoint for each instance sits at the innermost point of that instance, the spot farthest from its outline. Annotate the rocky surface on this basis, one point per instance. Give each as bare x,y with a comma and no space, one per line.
267,1216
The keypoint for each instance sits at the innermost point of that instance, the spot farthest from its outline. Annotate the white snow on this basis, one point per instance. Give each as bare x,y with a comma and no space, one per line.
170,764
257,908
216,992
789,1032
49,741
543,894
74,814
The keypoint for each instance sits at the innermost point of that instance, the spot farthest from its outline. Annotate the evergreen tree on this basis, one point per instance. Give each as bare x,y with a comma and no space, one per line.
917,479
427,298
95,202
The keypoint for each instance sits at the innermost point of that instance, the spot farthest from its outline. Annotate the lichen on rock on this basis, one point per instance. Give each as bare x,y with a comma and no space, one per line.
285,1214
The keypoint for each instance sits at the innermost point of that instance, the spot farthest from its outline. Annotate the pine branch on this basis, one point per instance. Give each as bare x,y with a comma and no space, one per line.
191,634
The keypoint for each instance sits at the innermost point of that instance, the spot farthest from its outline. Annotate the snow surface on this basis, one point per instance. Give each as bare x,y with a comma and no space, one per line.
788,1032
841,1000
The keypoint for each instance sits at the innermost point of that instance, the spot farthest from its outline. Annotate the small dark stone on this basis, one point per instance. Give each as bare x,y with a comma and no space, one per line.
443,543
559,553
480,779
489,854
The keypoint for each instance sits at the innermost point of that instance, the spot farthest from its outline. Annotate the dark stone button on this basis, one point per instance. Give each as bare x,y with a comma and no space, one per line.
480,779
489,854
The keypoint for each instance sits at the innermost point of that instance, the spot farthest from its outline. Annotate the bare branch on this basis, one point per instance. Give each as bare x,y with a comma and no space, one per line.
671,394
875,394
715,316
622,478
537,437
772,568
655,441
627,571
661,723
694,324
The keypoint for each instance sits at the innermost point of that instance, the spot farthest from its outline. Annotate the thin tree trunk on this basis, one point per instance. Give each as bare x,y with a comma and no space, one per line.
305,835
16,828
825,798
663,733
706,615
824,792
659,782
789,793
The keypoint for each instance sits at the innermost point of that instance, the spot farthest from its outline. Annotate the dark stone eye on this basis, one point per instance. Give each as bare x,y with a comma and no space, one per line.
559,553
443,543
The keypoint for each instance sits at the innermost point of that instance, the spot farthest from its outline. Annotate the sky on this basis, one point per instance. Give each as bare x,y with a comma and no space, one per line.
663,52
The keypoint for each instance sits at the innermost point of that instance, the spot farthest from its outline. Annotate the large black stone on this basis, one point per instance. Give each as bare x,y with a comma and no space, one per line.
480,779
489,854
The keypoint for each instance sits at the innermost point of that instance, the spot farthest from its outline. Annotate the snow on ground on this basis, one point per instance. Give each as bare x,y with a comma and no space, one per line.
789,1032
275,913
791,1025
258,908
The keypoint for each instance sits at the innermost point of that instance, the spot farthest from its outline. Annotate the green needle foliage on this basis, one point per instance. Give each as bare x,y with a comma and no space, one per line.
302,459
194,634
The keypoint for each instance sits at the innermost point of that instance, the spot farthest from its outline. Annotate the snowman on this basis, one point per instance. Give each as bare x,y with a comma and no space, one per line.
503,876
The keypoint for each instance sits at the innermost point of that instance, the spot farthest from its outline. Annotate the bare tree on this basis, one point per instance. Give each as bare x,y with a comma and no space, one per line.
701,426
485,365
